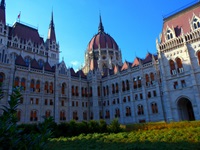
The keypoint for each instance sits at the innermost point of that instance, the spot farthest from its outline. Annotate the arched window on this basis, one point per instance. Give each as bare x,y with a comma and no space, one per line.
32,85
46,87
179,65
19,115
37,86
47,113
152,78
33,115
51,88
117,88
140,110
172,67
198,55
169,34
62,115
123,86
127,85
23,84
113,88
147,80
16,81
117,113
196,23
154,108
63,88
82,91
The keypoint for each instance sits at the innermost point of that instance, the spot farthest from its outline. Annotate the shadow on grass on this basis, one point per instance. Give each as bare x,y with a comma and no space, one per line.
95,144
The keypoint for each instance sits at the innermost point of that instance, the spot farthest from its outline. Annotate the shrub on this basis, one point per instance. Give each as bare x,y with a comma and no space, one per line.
114,126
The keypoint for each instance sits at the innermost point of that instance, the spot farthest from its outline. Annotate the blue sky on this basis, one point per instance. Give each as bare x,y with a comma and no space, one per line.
134,25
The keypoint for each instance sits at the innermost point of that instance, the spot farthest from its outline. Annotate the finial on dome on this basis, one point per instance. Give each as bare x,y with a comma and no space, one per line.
100,28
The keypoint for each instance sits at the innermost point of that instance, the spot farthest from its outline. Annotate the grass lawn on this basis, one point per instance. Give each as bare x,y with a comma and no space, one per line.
173,136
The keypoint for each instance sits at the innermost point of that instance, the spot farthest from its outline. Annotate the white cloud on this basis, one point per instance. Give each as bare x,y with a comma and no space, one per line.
75,63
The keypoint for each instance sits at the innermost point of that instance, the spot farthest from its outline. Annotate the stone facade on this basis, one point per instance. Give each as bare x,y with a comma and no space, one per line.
161,87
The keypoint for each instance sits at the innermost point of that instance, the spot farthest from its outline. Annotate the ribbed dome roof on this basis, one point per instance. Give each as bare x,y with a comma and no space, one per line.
102,40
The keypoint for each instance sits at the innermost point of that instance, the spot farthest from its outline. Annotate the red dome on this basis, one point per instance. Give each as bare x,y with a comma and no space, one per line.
102,40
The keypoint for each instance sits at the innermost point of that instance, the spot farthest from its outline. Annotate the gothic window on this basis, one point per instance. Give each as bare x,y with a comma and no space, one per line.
123,86
117,113
37,86
152,77
179,65
32,86
62,115
172,67
169,34
134,83
33,115
46,102
19,115
107,90
23,84
198,55
154,108
63,88
62,69
99,91
140,110
127,85
117,88
183,84
147,80
16,81
176,85
196,23
46,87
86,92
107,114
37,101
113,88
47,113
139,82
82,92
75,115
90,91
84,115
73,91
128,111
77,91
51,88
51,102
104,91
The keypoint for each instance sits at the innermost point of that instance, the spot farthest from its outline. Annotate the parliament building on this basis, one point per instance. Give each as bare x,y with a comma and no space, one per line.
164,86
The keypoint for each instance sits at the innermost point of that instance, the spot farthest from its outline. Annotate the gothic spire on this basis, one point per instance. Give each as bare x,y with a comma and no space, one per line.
51,32
2,12
100,28
2,4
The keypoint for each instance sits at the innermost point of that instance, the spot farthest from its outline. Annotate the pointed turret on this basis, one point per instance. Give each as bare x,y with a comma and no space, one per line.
2,12
51,32
100,28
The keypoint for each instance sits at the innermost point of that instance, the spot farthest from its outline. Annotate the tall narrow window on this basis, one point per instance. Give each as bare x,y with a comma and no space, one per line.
1,77
104,91
23,84
82,92
183,84
147,80
33,116
139,82
62,115
47,113
16,81
99,91
117,113
90,91
140,110
198,55
73,92
127,85
117,88
134,83
51,88
172,67
107,114
152,78
46,87
107,90
154,108
19,115
63,88
113,88
37,86
123,86
77,93
179,65
128,111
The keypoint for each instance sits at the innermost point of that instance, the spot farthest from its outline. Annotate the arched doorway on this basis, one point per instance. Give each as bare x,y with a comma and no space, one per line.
185,109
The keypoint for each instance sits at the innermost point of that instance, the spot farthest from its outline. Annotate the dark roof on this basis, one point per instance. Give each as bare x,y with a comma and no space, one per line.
35,65
26,33
47,67
20,61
